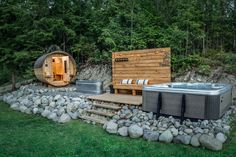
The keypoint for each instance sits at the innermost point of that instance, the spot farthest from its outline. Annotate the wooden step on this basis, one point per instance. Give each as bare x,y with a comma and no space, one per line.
101,113
100,121
107,106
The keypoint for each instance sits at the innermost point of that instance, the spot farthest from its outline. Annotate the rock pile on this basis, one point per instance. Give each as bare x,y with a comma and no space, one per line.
133,122
64,104
58,104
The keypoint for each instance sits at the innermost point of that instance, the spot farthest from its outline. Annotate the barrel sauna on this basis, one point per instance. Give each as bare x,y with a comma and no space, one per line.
57,68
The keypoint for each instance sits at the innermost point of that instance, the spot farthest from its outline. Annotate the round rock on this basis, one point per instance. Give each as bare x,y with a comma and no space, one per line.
210,142
53,116
112,127
166,136
64,118
174,131
195,140
123,131
45,113
188,131
150,135
23,108
221,137
135,131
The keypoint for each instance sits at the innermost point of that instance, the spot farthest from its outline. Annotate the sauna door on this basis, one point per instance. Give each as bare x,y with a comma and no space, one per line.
60,67
57,68
66,69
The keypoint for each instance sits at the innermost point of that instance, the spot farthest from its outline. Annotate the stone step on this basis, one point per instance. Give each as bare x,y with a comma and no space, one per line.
107,106
94,119
101,113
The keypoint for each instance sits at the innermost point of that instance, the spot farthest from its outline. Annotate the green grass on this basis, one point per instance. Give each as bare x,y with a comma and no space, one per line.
29,135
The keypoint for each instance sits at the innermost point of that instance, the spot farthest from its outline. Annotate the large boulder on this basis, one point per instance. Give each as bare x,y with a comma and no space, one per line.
221,137
44,100
23,108
70,107
188,131
61,111
45,113
52,104
210,142
53,116
135,131
37,102
123,131
64,118
60,101
166,136
112,127
74,115
174,131
83,105
195,140
184,139
57,97
35,110
150,135
15,106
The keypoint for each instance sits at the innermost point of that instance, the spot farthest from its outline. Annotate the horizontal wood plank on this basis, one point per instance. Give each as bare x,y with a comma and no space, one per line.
116,98
142,51
151,64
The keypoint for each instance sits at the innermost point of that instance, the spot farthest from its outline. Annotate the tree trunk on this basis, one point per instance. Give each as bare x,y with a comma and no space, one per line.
203,46
131,27
13,79
221,45
234,45
186,46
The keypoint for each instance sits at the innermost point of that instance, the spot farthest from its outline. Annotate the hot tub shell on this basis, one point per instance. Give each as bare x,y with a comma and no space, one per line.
189,100
90,86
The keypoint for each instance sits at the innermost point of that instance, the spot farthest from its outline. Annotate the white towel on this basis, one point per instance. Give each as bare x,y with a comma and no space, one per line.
142,82
126,81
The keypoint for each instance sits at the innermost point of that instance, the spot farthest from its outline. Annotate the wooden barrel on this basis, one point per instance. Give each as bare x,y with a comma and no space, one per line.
57,68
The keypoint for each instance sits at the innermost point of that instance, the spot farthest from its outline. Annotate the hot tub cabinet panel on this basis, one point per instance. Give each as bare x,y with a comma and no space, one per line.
201,102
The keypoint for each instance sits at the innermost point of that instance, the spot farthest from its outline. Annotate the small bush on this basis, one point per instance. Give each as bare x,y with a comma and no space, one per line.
204,64
228,61
204,69
181,64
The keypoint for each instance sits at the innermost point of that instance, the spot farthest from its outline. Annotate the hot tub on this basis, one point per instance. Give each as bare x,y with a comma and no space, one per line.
189,100
90,86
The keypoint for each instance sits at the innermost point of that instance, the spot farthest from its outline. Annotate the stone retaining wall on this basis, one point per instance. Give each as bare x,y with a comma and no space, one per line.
63,104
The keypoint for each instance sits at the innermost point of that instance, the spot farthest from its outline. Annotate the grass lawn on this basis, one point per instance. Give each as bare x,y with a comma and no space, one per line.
29,135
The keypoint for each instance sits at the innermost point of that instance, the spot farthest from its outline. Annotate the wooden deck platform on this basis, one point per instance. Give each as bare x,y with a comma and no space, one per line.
118,98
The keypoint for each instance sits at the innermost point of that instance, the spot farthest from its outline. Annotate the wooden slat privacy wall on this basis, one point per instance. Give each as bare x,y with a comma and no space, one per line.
151,64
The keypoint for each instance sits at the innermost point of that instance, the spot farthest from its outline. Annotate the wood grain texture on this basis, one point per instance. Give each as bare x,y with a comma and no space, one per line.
118,98
151,64
58,73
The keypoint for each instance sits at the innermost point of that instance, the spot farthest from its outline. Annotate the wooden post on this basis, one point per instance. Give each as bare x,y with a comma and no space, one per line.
13,79
134,92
